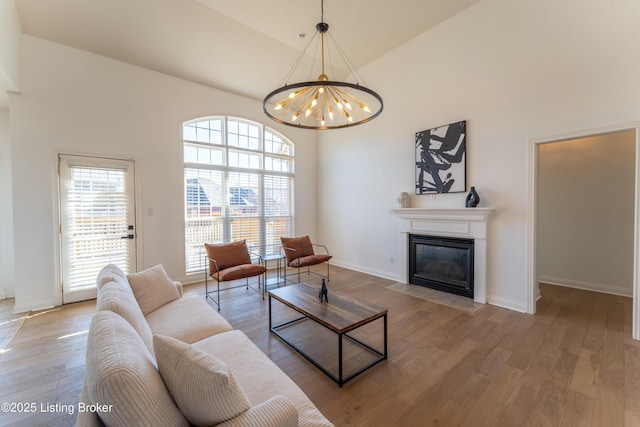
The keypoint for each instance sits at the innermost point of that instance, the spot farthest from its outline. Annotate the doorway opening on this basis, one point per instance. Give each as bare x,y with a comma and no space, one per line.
581,162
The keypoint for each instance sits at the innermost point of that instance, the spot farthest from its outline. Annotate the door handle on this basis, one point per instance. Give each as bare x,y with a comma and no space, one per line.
128,236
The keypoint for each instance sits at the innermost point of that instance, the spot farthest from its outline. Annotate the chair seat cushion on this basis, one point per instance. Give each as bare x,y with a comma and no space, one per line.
240,272
309,260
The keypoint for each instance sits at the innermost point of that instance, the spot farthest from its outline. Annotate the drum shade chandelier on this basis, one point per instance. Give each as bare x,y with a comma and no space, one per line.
323,103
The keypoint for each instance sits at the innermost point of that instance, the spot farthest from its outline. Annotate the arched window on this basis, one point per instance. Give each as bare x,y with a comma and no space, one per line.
238,178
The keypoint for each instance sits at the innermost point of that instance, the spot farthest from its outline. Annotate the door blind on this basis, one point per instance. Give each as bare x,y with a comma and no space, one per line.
96,223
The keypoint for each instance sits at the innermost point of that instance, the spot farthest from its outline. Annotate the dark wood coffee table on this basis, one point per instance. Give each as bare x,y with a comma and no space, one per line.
342,314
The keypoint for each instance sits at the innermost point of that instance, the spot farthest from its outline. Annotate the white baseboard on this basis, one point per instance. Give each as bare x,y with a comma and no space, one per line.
507,303
377,273
34,306
587,286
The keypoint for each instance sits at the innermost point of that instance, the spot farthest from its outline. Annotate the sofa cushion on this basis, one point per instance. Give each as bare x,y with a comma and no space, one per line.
203,387
227,255
188,319
258,376
296,247
110,273
277,411
116,296
121,374
153,288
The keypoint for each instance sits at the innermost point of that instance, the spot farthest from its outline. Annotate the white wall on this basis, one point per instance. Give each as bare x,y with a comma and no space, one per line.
74,102
515,70
6,211
10,35
586,191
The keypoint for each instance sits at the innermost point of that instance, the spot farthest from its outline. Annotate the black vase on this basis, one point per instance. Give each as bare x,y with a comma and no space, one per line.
472,198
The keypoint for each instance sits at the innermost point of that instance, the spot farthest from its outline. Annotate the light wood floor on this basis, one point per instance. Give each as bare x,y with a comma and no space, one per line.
572,364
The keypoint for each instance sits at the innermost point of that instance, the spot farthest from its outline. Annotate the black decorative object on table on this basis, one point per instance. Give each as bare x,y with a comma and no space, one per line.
472,198
323,292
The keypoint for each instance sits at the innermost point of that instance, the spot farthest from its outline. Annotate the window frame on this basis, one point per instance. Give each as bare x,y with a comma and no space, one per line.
253,147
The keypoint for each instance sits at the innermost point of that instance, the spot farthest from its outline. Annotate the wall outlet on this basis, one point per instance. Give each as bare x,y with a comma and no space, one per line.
392,260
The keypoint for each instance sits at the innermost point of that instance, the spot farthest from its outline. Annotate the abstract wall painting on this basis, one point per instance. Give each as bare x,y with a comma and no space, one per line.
441,159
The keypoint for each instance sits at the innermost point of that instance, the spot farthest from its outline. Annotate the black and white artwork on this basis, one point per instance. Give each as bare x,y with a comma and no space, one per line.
441,159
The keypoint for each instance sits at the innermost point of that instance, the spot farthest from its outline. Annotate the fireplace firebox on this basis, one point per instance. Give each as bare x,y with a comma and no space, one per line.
442,263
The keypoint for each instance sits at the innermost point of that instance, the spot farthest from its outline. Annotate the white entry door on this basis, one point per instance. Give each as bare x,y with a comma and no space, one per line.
97,221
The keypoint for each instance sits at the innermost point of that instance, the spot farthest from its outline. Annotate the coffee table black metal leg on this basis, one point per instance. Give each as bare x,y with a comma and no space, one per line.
340,360
385,336
271,323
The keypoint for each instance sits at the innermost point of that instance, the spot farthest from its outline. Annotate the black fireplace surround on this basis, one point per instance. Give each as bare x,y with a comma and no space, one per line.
442,263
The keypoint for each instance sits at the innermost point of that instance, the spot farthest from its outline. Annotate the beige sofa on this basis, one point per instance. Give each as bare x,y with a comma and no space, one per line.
156,357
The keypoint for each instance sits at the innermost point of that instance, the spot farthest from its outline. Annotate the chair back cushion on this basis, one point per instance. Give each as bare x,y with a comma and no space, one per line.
227,255
297,247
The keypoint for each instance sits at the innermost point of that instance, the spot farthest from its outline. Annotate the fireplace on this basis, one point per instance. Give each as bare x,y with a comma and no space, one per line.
462,223
442,263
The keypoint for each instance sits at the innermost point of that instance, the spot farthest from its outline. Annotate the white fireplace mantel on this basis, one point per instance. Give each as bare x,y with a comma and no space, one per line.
470,223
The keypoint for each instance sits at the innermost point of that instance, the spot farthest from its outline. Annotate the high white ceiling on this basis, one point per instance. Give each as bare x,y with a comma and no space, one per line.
242,46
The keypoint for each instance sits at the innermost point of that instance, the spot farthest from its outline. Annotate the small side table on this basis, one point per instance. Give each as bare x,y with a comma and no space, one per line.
274,281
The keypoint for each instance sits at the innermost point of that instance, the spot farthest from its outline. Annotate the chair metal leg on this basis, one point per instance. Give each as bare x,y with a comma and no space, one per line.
207,294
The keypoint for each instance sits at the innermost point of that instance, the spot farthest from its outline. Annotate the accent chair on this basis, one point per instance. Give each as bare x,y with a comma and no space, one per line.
228,262
300,253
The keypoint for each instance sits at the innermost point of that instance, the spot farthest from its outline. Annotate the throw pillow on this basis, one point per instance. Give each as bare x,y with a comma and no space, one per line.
152,288
202,385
